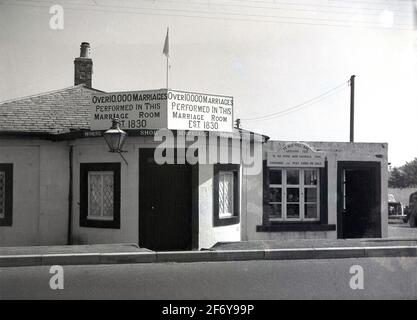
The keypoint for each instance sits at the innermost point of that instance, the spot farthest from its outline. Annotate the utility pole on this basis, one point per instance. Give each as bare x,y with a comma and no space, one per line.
352,107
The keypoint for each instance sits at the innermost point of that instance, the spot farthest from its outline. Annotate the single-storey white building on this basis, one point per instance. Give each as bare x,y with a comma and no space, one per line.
59,184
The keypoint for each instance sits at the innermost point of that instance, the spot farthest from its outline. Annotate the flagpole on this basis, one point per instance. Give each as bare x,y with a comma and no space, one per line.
167,70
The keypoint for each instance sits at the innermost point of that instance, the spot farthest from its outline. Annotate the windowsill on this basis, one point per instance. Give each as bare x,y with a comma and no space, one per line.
105,224
92,218
219,222
5,222
295,226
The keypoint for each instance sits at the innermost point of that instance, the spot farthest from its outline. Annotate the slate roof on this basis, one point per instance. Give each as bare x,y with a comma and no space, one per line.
54,112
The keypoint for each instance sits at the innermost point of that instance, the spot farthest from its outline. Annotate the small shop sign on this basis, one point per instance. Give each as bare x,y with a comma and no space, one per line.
296,154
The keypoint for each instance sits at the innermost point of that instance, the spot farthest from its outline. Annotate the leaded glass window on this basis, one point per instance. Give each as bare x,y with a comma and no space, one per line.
225,194
100,195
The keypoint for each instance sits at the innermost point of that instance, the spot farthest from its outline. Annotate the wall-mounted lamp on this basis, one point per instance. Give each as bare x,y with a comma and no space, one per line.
115,138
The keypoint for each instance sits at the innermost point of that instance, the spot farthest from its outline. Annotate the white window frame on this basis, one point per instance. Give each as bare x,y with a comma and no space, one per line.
101,217
301,187
226,215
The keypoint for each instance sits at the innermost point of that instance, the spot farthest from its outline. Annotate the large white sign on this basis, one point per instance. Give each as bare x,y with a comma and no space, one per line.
157,109
199,111
295,154
134,110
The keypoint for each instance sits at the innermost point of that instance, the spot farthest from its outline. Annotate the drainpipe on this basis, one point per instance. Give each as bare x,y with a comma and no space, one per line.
69,235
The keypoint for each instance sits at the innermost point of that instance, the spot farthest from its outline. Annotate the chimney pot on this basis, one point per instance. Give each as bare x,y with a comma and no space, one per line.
85,50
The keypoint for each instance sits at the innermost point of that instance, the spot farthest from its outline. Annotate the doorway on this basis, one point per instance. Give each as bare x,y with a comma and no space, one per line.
165,204
358,199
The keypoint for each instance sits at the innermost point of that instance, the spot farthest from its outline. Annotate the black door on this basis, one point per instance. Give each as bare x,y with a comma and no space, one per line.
359,200
164,204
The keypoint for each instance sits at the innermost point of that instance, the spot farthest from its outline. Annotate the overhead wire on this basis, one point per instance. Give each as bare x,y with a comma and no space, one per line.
215,3
313,11
299,106
295,3
289,19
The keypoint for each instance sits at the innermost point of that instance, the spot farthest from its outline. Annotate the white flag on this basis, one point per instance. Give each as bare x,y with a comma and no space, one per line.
166,45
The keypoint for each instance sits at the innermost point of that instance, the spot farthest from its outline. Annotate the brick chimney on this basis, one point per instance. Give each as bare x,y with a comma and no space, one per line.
83,66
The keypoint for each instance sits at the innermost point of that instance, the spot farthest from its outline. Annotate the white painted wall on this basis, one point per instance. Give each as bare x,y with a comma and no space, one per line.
53,197
209,234
252,195
41,178
40,192
335,151
95,150
41,182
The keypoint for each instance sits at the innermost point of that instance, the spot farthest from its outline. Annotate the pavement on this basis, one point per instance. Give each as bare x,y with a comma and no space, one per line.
401,242
401,230
233,251
315,244
74,249
291,269
383,278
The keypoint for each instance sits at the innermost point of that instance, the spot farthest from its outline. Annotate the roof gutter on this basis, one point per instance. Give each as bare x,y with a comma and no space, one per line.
49,136
85,133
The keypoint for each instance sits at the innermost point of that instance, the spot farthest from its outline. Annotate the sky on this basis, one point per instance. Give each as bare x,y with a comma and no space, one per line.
270,55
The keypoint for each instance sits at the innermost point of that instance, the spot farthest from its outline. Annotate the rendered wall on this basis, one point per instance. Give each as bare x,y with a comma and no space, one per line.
95,150
335,151
41,189
40,192
209,234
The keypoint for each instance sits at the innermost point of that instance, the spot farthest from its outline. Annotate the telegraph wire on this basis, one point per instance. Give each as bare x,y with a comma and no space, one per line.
300,105
294,110
214,3
370,24
219,4
83,7
153,2
302,4
397,3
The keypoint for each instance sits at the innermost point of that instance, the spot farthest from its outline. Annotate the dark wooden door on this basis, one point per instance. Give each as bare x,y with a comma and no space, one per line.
358,203
164,204
359,206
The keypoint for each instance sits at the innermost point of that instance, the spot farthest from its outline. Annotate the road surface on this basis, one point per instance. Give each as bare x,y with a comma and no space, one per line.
384,278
